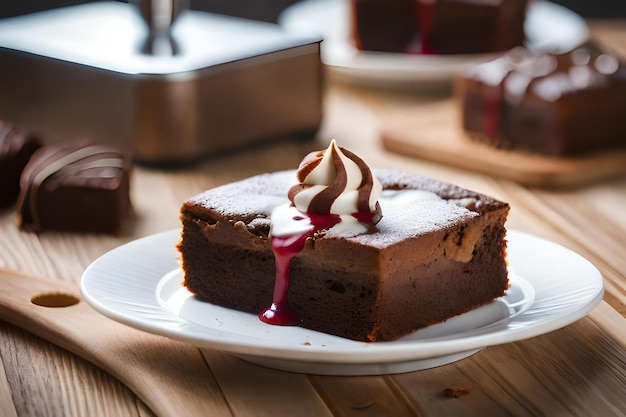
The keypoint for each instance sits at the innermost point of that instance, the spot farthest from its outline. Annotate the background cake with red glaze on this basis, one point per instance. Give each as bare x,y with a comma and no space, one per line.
553,104
437,26
438,251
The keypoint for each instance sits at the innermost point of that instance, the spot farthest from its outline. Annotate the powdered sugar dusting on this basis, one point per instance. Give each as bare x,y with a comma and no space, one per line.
411,213
411,205
259,195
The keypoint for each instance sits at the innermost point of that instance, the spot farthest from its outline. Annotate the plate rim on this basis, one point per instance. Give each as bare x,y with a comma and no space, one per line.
356,352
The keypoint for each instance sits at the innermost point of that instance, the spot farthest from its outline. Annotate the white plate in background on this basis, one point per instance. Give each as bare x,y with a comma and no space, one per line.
548,26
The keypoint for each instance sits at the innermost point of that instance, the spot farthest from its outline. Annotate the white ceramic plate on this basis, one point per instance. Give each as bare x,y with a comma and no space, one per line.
139,284
548,26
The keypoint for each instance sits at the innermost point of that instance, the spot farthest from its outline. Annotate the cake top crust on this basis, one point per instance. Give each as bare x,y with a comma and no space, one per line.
433,206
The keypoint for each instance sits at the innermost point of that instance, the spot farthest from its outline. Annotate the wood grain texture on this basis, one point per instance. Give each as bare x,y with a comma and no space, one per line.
528,379
578,370
7,408
609,320
252,390
168,376
55,382
362,396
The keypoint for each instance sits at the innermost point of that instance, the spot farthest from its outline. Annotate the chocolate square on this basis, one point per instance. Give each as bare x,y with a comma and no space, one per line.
75,187
559,105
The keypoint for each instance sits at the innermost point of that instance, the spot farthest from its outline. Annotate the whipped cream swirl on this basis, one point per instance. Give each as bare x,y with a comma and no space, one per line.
337,182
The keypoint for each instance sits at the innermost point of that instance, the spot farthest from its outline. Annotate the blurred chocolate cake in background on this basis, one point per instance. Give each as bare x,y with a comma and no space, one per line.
438,26
552,104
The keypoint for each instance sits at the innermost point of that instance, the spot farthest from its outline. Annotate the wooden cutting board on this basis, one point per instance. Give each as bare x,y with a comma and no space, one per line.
172,378
176,379
432,132
167,375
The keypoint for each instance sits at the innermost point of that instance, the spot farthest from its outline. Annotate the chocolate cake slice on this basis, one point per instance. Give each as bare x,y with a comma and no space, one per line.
16,148
75,187
437,26
438,251
552,104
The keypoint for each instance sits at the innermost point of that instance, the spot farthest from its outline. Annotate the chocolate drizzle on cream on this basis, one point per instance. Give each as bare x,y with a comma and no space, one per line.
73,163
336,181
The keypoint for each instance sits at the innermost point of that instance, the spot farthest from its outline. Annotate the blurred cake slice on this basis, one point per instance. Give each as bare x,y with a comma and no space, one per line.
552,104
75,187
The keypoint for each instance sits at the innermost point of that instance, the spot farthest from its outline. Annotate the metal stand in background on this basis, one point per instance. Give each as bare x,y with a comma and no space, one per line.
160,16
179,87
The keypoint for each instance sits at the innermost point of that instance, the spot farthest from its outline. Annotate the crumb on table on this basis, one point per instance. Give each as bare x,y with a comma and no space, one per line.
454,392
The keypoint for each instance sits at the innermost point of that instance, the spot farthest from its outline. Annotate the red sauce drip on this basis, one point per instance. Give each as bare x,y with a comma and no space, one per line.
364,217
285,248
425,11
491,118
323,221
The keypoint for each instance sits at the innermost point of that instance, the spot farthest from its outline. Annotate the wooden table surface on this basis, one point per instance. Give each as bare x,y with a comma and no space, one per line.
578,370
